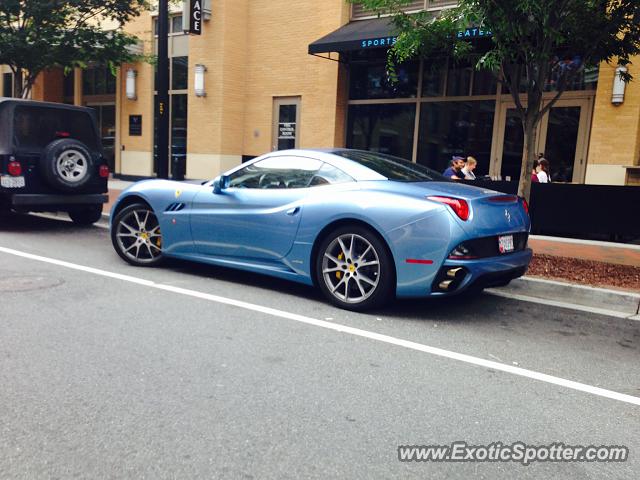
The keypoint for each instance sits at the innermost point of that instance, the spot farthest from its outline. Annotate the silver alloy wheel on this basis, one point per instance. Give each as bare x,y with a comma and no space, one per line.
138,236
351,268
72,166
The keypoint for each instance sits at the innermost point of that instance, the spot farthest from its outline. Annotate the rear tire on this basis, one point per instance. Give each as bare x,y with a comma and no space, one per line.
354,269
86,215
136,235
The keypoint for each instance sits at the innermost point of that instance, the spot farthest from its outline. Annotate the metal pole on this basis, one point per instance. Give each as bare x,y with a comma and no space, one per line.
162,98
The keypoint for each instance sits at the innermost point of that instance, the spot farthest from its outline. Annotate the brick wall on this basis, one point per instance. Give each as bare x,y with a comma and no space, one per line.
615,131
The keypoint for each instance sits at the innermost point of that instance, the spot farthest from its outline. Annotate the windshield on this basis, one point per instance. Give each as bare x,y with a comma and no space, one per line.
394,168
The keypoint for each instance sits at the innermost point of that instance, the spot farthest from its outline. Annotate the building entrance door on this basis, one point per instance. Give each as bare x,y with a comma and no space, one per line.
563,136
286,123
106,118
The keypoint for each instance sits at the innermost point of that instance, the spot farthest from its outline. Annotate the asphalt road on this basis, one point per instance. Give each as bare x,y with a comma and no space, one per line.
112,377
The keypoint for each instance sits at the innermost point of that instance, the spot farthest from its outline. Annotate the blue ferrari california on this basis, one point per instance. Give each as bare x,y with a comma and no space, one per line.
362,227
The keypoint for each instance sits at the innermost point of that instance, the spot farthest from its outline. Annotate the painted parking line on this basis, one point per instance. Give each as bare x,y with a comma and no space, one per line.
460,357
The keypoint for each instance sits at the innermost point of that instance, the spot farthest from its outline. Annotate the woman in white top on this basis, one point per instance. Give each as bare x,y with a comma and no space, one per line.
468,168
543,171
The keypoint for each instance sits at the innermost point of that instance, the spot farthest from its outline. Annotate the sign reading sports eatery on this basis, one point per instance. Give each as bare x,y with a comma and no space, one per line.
378,42
474,32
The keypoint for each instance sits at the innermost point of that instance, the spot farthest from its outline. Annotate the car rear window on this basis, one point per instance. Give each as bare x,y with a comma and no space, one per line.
36,127
394,168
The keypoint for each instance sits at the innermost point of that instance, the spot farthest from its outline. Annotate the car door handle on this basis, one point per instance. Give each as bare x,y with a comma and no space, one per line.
293,211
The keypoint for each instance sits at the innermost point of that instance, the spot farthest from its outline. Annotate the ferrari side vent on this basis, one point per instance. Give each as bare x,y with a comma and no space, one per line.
175,207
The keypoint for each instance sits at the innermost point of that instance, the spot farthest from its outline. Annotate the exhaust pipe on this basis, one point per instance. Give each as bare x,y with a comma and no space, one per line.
453,272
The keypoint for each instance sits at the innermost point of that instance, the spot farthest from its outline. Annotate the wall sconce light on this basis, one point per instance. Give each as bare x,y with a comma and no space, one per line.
199,81
617,96
131,84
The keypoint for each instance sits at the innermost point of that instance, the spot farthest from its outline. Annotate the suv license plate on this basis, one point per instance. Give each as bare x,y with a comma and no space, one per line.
505,243
12,182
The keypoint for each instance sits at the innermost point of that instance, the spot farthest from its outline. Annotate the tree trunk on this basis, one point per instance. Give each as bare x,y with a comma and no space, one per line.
528,157
27,86
17,83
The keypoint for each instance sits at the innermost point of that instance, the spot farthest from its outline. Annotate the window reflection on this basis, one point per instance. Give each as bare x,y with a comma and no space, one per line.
369,78
385,128
456,128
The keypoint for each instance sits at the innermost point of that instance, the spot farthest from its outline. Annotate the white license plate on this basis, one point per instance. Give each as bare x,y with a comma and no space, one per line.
505,243
12,182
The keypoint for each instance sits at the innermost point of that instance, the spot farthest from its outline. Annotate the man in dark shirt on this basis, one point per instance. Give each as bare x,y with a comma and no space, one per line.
454,172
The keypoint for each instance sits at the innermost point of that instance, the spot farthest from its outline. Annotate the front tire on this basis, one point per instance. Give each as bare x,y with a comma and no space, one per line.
354,269
136,235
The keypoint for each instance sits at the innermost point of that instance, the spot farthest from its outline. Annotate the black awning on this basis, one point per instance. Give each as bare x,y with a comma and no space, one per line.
360,35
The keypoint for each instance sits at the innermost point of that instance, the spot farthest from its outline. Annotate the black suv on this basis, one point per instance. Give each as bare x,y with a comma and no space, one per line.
51,159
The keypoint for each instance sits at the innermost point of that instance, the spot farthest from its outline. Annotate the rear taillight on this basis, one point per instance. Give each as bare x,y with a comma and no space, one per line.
458,205
14,168
525,205
104,171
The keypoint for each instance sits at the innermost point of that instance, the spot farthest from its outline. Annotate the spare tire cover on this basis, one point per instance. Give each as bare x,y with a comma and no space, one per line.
67,164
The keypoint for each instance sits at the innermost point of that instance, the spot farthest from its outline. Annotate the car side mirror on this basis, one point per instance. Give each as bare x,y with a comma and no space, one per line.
220,183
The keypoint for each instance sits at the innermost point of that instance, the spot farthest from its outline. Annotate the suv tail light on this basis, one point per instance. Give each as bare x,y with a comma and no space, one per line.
104,171
14,168
525,206
458,205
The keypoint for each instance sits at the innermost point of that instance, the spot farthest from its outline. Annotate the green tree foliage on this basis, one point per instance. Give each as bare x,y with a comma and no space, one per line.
528,37
39,34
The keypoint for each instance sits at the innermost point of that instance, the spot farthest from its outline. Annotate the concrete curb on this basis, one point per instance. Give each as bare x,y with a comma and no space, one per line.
603,301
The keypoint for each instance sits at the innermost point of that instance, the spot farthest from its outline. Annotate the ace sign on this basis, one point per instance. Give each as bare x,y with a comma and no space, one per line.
194,15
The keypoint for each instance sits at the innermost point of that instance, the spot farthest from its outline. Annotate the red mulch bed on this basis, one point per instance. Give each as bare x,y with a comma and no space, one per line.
585,272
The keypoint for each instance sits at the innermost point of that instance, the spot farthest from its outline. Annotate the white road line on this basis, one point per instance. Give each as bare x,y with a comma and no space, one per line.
481,362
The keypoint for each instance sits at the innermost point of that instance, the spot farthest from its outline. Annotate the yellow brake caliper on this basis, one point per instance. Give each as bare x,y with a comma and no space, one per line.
159,239
339,273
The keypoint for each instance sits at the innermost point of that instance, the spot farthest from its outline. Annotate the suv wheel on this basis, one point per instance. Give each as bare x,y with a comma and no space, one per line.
86,215
67,164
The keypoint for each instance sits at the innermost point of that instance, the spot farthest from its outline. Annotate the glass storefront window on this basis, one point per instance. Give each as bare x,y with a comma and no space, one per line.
178,136
98,81
512,147
176,24
433,76
385,128
562,138
179,73
369,78
587,79
456,128
459,79
485,82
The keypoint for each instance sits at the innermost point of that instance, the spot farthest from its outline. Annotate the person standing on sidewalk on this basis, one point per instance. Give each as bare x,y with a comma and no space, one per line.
468,169
454,172
543,171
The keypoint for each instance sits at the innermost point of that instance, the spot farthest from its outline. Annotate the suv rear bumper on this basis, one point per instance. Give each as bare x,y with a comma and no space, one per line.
27,200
